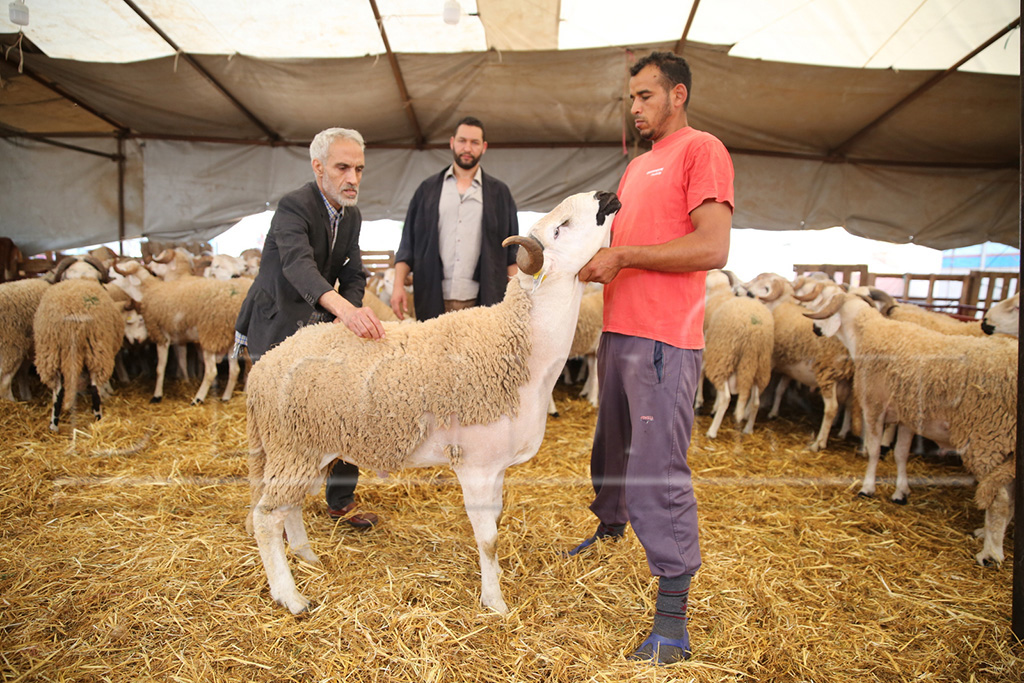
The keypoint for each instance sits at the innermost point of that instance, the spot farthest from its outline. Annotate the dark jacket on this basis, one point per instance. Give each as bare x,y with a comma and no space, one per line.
296,269
419,246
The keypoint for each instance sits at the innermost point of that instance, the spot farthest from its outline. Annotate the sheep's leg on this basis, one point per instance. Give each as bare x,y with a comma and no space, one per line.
721,406
209,374
887,436
58,404
742,399
552,408
268,525
94,394
901,452
828,397
295,530
181,355
752,408
997,517
232,378
481,493
566,374
698,401
847,425
162,350
120,370
780,390
873,426
590,388
5,382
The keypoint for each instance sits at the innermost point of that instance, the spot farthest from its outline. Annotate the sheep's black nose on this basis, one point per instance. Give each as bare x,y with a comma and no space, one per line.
817,331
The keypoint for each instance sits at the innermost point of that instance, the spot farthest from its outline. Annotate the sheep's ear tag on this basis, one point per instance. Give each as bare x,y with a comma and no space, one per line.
538,278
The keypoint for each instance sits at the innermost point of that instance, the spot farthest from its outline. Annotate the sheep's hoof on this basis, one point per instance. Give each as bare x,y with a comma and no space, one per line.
554,414
196,402
865,494
54,428
297,605
902,500
156,399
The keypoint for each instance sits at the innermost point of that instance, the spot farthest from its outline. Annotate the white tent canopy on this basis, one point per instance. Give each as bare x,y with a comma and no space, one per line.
897,120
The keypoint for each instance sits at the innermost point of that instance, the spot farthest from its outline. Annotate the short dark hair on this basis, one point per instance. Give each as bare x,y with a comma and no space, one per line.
471,121
673,68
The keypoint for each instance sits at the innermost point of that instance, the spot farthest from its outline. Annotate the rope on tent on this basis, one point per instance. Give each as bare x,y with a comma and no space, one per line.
21,53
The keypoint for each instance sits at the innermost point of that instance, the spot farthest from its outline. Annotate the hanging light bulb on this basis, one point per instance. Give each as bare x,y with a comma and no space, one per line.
452,12
18,11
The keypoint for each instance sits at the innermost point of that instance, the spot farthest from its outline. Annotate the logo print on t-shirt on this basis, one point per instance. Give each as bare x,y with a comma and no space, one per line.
655,171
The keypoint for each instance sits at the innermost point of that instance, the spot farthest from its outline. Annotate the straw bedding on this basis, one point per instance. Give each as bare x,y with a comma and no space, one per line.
123,557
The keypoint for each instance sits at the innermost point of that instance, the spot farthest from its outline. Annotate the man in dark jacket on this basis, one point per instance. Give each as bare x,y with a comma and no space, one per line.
313,242
453,231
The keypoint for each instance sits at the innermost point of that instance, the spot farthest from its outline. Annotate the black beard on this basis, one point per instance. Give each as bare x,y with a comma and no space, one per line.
463,165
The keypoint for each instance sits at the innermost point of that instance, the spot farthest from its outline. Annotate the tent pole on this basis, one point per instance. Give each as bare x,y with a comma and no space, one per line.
1017,608
120,194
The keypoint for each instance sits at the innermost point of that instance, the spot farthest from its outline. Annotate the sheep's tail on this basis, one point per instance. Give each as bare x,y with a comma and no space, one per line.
72,362
257,461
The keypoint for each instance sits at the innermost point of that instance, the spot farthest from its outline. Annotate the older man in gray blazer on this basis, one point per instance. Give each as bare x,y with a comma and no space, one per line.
312,244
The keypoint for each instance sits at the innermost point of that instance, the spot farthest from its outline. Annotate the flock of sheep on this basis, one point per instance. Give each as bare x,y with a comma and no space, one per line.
898,370
895,370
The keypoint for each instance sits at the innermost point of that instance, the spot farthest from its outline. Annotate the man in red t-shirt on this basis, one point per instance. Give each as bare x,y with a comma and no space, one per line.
677,204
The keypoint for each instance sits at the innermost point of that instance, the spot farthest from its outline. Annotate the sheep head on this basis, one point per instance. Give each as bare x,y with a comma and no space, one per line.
567,237
1003,317
80,267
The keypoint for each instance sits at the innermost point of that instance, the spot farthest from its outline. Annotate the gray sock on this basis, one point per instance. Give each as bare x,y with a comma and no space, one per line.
670,608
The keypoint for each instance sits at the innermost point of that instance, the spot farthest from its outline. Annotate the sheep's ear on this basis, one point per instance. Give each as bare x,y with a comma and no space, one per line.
607,204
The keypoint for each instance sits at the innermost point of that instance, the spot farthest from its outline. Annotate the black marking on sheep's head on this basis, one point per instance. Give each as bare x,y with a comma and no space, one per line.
607,204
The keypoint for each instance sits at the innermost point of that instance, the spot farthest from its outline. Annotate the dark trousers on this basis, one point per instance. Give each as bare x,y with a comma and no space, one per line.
638,462
341,484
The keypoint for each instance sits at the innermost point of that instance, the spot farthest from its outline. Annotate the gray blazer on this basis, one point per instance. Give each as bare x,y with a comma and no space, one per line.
298,267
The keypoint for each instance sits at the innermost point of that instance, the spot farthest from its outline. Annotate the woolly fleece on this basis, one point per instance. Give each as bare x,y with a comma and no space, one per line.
324,390
918,375
19,301
210,307
77,326
740,336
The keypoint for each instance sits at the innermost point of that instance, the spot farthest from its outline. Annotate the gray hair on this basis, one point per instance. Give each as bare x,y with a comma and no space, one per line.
325,138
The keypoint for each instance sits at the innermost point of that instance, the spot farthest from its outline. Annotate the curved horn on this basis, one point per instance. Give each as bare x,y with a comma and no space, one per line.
812,295
64,264
100,268
165,256
775,290
884,298
125,273
829,310
530,258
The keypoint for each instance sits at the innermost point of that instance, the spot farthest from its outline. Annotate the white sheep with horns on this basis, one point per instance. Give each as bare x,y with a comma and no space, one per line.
468,389
957,390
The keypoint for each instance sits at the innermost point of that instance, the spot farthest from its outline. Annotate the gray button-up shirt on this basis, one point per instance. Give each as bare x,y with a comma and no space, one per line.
459,235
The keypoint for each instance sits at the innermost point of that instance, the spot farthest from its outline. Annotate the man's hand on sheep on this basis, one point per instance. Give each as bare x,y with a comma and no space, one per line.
362,321
603,268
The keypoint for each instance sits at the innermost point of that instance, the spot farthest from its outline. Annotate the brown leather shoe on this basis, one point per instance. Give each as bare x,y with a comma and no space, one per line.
354,519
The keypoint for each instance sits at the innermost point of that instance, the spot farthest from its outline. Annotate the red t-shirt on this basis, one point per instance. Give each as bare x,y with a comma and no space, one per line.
658,191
